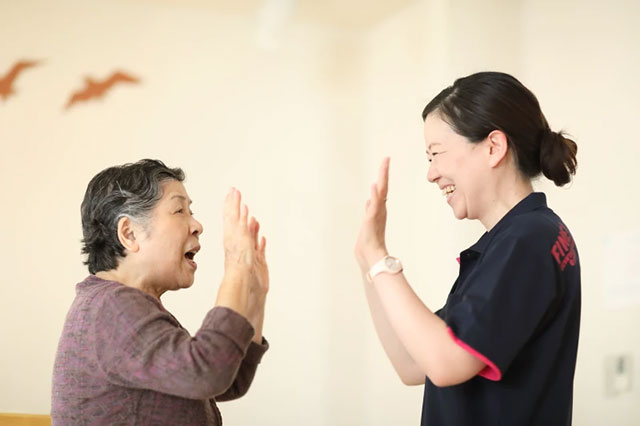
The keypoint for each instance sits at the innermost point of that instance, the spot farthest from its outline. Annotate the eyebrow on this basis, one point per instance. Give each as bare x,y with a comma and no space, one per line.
182,197
432,144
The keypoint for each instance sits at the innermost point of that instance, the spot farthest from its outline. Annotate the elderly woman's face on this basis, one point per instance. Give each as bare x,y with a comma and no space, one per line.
170,240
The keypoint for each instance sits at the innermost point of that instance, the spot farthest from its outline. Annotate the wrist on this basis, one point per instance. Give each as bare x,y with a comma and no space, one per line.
374,256
237,270
387,264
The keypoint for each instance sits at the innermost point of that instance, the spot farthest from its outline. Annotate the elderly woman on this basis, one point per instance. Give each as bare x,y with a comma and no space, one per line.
123,358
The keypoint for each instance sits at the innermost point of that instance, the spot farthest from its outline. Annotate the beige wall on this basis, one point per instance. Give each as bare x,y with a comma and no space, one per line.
300,130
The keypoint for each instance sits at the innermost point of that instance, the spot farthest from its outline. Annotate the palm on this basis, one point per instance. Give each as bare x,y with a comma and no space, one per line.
261,269
371,240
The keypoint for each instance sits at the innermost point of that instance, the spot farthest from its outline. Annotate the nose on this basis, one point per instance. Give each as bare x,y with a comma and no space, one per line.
432,173
196,227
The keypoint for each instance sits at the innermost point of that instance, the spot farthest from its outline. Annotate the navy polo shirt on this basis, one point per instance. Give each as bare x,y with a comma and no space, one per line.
516,306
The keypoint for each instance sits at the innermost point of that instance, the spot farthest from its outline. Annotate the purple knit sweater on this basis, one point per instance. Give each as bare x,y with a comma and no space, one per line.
124,360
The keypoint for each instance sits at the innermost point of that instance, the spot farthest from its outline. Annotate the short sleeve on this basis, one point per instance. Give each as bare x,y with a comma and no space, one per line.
504,299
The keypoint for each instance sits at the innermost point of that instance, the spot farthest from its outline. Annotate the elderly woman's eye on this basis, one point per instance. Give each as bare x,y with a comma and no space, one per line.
180,211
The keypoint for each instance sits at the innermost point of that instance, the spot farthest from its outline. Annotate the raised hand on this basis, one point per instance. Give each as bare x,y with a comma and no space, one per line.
371,246
260,282
261,269
238,240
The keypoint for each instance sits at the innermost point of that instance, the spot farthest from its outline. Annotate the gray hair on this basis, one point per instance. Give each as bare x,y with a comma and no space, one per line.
130,190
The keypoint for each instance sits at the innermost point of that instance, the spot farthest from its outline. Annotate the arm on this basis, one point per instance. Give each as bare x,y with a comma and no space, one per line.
139,345
424,334
409,323
246,373
406,368
255,315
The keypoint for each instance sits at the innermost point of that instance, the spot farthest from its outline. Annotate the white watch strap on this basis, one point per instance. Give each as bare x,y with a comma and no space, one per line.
381,266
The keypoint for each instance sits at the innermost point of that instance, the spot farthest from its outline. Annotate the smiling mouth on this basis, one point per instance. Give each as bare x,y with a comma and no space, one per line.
447,190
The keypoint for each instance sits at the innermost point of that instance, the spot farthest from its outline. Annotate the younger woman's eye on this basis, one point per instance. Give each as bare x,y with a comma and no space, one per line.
180,211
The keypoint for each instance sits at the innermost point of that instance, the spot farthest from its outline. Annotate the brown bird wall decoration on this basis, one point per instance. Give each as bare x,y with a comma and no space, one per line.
6,82
97,89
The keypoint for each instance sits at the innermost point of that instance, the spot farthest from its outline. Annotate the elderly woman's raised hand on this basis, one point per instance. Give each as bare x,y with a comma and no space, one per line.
260,263
238,239
245,262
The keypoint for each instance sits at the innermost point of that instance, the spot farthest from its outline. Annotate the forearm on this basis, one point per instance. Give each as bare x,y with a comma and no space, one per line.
246,372
423,333
402,362
234,290
147,349
255,314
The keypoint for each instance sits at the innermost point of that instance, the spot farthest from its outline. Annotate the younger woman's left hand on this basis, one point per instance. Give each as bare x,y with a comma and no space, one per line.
371,245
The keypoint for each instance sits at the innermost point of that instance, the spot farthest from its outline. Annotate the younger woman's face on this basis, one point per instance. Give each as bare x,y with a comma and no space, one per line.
456,166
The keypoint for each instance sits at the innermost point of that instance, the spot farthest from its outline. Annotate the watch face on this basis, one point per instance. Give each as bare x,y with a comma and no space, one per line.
393,264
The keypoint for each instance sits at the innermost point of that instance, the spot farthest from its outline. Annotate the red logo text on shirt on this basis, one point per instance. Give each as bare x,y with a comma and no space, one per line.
564,249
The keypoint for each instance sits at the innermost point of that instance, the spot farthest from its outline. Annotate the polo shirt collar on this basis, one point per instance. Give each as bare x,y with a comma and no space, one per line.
531,202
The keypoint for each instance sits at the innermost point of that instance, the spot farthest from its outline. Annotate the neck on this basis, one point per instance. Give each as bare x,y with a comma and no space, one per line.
504,199
123,276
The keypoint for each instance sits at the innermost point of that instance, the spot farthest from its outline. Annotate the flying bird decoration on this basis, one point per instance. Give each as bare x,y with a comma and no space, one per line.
97,89
6,82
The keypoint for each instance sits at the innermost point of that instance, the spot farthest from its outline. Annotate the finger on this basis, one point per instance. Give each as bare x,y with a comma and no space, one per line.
244,212
227,208
383,178
375,197
252,227
262,246
231,204
253,231
237,199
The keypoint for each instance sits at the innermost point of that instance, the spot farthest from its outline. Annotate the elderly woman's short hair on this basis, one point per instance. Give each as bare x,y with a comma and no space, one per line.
130,190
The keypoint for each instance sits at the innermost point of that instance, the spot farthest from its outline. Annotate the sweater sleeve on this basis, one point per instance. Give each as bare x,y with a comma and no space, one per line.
247,371
140,345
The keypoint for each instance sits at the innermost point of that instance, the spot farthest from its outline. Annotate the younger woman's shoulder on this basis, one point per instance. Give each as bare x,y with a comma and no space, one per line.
538,226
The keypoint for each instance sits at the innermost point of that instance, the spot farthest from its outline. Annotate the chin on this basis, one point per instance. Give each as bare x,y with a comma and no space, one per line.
187,284
460,215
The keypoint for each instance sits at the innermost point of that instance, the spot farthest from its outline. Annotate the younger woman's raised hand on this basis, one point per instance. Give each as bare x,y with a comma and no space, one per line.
371,245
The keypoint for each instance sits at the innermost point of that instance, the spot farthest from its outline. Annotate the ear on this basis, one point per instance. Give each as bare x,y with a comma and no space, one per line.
127,233
498,147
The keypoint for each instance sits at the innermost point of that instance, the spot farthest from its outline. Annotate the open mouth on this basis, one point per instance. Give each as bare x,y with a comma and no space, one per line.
448,190
190,255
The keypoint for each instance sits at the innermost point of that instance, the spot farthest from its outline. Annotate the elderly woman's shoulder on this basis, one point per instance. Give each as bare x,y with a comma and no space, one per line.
111,297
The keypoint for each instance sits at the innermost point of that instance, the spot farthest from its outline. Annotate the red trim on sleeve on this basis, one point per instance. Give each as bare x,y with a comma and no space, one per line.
490,371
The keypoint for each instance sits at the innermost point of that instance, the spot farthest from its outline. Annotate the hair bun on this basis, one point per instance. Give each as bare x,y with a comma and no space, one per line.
558,157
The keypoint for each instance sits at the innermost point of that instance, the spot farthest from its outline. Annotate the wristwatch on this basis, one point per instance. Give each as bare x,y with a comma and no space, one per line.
388,264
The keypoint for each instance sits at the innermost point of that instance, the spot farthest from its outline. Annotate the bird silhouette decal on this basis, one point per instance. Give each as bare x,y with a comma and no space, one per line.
97,89
6,82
